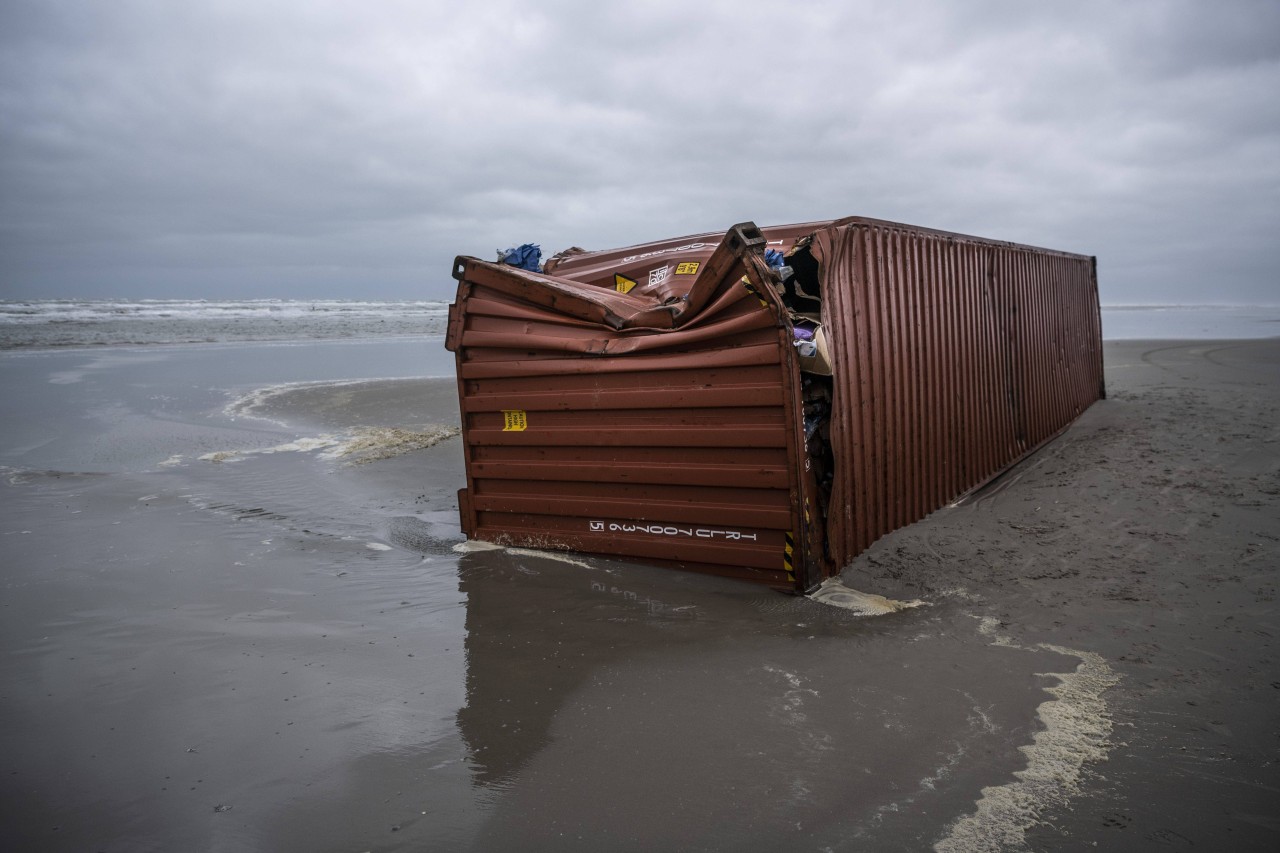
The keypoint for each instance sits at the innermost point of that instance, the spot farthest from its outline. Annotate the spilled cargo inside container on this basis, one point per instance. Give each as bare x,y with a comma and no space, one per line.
761,404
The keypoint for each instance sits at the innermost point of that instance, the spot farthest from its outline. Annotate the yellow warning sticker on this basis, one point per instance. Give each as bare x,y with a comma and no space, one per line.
622,284
687,268
514,420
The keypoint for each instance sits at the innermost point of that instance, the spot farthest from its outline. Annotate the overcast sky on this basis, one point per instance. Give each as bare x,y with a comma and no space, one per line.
303,148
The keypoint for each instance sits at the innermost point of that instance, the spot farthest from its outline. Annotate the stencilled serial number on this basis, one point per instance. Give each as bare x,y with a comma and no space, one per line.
668,530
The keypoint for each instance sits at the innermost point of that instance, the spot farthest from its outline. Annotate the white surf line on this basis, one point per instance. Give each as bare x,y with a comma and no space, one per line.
363,444
247,405
472,546
302,445
836,594
550,555
370,444
1076,731
16,476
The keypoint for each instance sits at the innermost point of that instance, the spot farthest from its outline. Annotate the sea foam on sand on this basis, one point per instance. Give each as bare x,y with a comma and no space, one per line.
1077,728
253,404
357,446
836,594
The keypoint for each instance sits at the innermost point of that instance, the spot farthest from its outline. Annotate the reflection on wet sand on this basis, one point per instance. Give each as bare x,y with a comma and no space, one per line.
597,698
536,630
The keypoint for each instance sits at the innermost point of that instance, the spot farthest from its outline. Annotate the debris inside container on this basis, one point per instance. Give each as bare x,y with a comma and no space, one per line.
800,291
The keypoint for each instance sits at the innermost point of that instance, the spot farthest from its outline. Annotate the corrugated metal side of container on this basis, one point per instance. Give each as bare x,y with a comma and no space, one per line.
682,449
954,357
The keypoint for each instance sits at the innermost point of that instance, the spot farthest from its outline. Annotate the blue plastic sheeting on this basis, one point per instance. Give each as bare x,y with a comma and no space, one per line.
774,258
527,257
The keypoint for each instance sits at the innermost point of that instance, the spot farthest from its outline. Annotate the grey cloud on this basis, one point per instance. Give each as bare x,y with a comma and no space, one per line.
331,149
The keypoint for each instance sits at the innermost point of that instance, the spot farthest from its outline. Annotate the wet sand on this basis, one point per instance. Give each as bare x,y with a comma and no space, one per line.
1150,535
283,651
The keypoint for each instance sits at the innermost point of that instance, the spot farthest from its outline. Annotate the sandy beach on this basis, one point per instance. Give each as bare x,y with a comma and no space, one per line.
235,619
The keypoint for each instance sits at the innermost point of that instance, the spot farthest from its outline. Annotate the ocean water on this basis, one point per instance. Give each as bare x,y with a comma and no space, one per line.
63,323
68,322
1189,322
130,408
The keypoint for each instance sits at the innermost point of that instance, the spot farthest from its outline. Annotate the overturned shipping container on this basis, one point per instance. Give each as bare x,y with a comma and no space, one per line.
764,404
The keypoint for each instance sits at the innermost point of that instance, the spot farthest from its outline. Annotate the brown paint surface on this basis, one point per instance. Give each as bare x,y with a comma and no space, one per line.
664,422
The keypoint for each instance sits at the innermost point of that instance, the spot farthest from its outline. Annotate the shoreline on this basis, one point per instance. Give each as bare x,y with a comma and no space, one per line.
101,346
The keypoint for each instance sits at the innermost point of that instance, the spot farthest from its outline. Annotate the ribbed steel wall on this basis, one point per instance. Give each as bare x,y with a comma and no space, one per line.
954,357
682,446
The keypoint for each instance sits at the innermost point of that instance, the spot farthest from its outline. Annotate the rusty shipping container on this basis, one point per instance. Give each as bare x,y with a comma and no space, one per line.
762,404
